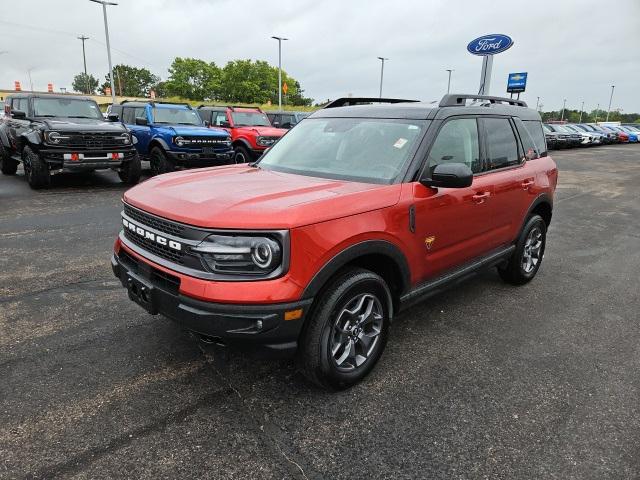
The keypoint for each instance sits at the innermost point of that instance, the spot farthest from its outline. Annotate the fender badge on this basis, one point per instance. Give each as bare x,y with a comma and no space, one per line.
428,242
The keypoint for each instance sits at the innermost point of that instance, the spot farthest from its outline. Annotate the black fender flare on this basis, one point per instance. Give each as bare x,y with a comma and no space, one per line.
31,137
244,143
162,143
542,198
367,247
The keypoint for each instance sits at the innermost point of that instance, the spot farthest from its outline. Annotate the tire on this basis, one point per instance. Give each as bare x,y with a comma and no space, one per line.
527,257
241,155
331,340
130,171
159,162
35,169
8,165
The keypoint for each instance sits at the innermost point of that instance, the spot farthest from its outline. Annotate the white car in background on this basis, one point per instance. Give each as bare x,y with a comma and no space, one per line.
587,138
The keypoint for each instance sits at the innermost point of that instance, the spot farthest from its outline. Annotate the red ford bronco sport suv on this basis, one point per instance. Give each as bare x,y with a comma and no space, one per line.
250,129
358,212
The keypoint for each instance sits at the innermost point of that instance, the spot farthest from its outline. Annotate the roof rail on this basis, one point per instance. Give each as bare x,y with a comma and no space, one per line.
349,101
459,100
153,103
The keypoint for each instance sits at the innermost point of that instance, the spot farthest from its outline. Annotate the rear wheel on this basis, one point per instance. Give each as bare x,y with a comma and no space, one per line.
159,162
527,257
35,169
130,171
8,165
241,155
347,330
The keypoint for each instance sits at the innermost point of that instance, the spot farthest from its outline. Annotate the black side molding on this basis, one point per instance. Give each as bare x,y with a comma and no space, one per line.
438,284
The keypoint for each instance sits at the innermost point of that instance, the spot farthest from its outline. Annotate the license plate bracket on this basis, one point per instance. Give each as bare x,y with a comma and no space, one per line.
208,150
141,292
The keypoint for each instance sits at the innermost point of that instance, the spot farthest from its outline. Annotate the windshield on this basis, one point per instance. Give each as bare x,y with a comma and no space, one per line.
176,116
250,119
66,107
358,149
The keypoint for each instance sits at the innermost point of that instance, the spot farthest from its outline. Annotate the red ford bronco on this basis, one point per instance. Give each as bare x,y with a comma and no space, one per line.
358,212
250,129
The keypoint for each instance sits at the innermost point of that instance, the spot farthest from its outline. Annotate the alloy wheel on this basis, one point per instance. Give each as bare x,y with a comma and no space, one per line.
532,250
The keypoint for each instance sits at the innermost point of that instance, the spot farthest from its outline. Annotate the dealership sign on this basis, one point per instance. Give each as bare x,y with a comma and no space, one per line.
517,82
489,44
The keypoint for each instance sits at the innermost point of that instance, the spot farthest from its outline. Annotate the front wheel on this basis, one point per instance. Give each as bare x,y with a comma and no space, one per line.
36,169
347,330
159,162
527,257
241,155
8,165
130,171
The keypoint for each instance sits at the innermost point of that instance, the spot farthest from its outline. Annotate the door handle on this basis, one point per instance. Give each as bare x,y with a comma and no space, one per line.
481,197
527,183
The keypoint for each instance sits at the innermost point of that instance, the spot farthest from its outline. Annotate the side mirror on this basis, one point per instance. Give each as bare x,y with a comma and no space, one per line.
286,125
225,124
113,117
276,124
449,175
18,114
142,121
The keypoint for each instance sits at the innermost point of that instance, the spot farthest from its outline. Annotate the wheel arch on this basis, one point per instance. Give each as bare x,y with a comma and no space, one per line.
158,142
543,206
241,142
379,256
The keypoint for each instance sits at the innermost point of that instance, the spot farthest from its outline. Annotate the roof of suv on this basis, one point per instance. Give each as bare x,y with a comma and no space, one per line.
127,103
454,104
47,95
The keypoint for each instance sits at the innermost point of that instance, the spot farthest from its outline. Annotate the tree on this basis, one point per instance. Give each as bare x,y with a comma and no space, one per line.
131,81
84,83
193,79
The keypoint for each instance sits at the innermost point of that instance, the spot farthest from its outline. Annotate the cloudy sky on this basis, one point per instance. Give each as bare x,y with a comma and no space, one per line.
571,49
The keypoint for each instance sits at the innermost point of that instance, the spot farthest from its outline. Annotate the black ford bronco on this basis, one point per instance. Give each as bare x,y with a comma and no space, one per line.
51,134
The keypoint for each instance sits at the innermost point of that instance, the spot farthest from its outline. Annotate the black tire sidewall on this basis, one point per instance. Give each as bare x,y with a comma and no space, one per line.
240,150
339,298
533,222
36,170
131,171
159,162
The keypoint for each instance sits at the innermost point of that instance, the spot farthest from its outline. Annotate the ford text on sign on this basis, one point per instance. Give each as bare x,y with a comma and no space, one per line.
489,44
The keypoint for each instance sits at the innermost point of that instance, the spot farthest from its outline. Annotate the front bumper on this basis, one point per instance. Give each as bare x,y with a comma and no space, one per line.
259,328
195,159
67,160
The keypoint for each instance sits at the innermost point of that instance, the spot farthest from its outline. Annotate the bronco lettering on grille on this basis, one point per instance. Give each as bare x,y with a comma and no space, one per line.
160,240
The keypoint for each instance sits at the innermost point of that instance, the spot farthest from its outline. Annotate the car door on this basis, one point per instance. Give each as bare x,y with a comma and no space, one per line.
141,132
511,177
454,225
17,126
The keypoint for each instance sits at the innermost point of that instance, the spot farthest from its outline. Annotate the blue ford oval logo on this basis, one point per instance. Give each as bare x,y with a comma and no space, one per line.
489,44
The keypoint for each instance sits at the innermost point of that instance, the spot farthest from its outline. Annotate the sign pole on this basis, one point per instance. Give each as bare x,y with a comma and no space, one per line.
485,75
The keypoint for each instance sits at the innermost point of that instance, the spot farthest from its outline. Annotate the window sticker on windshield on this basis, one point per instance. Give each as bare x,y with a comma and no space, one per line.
401,142
413,127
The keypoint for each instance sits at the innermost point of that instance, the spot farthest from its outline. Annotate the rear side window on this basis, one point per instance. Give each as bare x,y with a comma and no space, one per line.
140,112
128,116
457,142
535,130
219,117
502,147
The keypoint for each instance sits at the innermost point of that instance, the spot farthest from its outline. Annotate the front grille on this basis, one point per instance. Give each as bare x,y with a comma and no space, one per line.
160,224
218,143
155,248
95,141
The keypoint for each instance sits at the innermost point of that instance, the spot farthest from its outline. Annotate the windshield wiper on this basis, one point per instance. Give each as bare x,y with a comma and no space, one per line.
44,116
187,123
81,116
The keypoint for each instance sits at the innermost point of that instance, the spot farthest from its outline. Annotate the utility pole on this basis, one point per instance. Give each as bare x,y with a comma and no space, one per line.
382,59
610,99
564,104
280,40
30,81
581,109
104,4
449,82
597,109
84,59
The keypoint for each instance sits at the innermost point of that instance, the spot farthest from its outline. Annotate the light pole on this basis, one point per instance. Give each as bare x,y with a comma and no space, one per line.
610,99
29,74
564,104
597,108
84,59
280,40
382,59
581,109
537,103
449,81
104,4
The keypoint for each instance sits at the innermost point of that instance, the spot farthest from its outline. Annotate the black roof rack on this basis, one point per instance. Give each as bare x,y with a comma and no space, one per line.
459,100
348,101
153,103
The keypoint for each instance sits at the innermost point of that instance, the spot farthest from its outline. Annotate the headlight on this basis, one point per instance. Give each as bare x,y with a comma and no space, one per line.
54,137
265,141
126,138
179,141
240,255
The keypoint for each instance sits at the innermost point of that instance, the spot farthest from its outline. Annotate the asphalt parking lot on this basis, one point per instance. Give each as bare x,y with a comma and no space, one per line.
484,381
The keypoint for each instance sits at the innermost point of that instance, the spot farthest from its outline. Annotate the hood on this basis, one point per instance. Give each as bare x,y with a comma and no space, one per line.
245,197
265,131
185,130
82,125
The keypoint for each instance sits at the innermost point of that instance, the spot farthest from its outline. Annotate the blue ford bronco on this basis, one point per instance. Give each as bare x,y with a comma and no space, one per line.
173,135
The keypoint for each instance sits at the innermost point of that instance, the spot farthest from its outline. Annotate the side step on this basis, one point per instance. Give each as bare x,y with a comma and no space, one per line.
443,282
